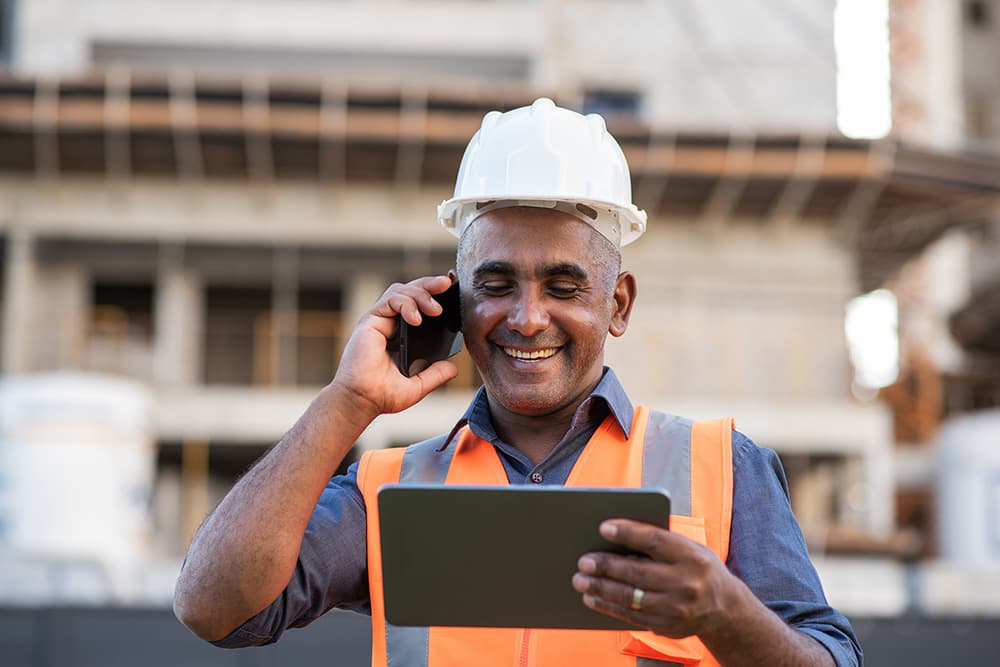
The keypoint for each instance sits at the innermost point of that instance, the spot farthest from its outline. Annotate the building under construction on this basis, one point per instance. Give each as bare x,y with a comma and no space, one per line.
198,201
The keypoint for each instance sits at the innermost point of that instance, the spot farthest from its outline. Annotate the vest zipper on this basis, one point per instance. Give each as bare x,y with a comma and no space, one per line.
525,638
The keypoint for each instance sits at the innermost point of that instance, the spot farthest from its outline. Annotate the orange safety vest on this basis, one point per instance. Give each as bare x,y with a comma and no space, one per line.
692,460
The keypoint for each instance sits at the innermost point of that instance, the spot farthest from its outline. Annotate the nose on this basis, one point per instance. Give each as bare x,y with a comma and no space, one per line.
528,314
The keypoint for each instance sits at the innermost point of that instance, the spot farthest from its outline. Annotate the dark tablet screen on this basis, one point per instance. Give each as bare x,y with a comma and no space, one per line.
488,556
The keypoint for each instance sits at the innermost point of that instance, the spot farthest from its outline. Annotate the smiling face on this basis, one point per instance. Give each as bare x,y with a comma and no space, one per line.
540,292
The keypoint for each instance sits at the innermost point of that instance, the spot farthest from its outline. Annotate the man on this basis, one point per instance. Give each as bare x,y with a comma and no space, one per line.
542,205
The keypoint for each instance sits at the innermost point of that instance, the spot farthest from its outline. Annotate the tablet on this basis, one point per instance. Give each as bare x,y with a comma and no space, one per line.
488,556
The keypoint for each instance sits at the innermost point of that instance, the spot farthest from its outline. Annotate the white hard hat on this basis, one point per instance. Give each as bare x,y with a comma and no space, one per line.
549,157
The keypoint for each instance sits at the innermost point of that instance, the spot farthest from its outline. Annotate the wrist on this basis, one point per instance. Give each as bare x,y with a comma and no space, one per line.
348,408
734,603
327,430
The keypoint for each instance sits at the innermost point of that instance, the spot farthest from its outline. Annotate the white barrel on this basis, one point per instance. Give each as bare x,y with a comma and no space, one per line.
968,489
77,460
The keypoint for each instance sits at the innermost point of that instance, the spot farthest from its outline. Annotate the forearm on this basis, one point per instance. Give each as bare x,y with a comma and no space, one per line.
751,634
244,554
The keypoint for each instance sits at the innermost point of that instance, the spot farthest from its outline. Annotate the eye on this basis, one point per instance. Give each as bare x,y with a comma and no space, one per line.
494,287
563,289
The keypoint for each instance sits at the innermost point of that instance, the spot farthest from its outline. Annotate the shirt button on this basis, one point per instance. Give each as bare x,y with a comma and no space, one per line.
536,477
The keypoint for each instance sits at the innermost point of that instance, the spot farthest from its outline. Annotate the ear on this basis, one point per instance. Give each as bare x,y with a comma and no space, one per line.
624,296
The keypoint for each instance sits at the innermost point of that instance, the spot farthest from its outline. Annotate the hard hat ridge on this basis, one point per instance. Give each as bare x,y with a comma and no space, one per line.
489,120
545,156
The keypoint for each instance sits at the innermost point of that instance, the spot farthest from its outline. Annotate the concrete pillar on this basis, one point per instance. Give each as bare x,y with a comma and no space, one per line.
927,72
62,303
943,29
876,492
18,292
194,485
284,316
552,71
179,323
361,294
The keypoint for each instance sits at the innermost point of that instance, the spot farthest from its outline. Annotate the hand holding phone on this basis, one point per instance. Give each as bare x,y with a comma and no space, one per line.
437,338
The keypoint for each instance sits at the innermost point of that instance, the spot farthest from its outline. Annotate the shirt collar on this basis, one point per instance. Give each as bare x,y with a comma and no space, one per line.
608,389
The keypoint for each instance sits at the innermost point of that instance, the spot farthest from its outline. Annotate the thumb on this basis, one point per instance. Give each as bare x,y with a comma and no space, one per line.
435,375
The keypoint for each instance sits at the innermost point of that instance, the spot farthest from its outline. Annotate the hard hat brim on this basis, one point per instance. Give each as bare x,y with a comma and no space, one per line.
457,213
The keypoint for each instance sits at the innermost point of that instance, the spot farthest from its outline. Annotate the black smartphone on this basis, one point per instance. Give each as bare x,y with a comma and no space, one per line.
435,339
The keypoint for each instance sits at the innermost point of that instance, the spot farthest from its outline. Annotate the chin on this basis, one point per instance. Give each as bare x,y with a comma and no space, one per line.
530,405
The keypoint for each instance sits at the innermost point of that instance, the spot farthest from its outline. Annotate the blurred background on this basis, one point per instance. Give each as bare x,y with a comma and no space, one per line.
199,198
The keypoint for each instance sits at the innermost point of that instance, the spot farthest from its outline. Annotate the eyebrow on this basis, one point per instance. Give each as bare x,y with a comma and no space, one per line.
486,268
565,269
569,269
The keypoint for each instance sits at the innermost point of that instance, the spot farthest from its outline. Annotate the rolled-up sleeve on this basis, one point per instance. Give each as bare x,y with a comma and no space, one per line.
332,569
767,551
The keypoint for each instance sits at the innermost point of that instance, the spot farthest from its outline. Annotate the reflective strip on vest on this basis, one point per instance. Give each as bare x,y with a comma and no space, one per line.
422,462
666,459
666,463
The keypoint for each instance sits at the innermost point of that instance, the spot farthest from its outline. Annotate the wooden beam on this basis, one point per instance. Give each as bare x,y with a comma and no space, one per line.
412,120
756,162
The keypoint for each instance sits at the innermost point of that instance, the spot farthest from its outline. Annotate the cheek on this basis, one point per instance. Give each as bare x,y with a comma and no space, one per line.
589,328
479,316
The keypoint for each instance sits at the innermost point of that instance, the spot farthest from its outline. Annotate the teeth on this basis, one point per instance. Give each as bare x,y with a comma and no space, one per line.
530,356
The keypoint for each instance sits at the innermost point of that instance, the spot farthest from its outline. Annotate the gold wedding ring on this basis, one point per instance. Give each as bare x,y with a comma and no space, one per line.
637,595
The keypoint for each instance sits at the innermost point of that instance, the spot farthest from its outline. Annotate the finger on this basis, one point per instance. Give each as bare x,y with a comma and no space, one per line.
609,590
404,306
642,572
606,589
417,366
412,303
382,317
433,284
423,291
656,542
635,617
428,287
413,299
435,375
436,284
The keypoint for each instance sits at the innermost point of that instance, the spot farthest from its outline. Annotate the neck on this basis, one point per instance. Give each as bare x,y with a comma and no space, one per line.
534,435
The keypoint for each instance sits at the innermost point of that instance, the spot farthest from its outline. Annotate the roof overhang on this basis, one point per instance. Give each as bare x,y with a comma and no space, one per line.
885,199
